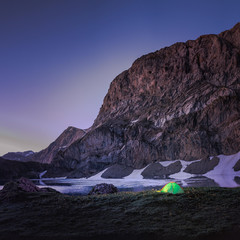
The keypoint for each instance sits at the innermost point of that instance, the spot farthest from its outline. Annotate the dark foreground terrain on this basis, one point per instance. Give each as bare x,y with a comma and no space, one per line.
202,213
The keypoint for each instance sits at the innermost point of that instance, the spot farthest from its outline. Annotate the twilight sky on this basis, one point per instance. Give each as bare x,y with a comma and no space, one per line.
58,57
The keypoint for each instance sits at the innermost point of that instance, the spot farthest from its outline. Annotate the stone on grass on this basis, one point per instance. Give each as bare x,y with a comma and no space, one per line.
15,190
103,188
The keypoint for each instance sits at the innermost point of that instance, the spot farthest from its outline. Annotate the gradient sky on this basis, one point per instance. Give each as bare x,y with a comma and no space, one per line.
58,57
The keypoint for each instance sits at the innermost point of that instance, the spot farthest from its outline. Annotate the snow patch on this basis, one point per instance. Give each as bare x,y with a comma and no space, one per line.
136,174
98,175
42,173
158,135
122,147
223,174
28,154
183,175
62,147
187,108
134,121
53,178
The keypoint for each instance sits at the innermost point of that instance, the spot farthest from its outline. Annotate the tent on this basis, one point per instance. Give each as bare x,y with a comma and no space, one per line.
171,187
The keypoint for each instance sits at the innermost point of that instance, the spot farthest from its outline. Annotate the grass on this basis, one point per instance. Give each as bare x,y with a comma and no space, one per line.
199,213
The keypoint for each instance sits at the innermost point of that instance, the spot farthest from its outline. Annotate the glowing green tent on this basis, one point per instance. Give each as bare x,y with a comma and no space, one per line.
172,187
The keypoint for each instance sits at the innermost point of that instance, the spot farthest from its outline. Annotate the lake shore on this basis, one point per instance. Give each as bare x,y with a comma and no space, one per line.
199,213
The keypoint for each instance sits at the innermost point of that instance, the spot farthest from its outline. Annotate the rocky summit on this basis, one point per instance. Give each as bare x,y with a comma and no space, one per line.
181,102
68,136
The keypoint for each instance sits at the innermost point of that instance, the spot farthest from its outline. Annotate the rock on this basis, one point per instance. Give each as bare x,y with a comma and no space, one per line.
26,185
237,179
16,190
203,166
156,170
237,166
117,171
103,188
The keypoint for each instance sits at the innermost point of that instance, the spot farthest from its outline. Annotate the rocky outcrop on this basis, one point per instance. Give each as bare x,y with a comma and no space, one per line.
117,171
156,170
19,156
10,169
70,135
15,190
103,188
203,166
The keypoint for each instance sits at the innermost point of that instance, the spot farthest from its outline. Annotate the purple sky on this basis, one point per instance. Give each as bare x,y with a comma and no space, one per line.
58,57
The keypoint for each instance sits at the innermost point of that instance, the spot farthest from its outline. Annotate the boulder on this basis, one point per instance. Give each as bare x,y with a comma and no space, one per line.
203,166
156,170
15,190
117,171
103,188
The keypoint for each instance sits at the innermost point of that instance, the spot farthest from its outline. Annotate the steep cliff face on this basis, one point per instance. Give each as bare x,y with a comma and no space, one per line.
69,135
181,102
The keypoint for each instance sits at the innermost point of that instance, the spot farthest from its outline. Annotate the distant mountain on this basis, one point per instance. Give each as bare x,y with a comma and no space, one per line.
70,135
181,102
29,164
19,156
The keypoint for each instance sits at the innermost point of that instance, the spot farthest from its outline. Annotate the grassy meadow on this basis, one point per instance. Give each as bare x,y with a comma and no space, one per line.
199,213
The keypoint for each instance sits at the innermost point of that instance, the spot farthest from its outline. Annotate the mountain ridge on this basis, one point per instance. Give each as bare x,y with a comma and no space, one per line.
65,139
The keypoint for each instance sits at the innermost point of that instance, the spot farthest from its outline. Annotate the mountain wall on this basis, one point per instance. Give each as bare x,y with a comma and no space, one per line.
181,102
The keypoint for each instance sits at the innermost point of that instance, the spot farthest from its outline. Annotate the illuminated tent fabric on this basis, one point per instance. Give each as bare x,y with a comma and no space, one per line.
172,187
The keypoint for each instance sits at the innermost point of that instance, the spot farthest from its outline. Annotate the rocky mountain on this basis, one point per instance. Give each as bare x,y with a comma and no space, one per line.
19,156
68,136
28,164
181,102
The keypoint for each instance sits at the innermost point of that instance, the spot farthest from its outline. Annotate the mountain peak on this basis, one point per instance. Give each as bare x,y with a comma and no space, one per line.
232,35
66,138
236,27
